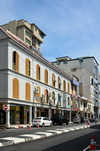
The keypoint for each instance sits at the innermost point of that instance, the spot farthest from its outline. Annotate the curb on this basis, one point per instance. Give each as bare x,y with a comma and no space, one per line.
38,135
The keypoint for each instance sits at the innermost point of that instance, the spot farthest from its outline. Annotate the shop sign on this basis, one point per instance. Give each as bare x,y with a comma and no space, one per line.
5,107
75,83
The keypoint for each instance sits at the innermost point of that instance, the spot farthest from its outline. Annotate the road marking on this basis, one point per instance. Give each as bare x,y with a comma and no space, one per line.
15,139
32,136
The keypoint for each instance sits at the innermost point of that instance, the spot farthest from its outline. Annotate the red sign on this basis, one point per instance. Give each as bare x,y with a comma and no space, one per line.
5,107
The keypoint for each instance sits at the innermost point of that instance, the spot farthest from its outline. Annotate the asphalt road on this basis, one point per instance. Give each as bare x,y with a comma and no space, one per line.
72,141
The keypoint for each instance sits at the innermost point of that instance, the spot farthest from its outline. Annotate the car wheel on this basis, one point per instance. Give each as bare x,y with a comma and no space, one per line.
66,123
43,125
60,123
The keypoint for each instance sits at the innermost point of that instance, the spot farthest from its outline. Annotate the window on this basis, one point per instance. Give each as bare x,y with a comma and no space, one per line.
46,76
28,64
28,34
15,64
38,72
59,83
64,85
27,90
59,98
15,88
53,97
46,93
58,63
53,80
65,62
68,87
38,94
28,41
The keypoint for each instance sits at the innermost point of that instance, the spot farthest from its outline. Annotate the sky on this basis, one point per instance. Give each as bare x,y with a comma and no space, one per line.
72,27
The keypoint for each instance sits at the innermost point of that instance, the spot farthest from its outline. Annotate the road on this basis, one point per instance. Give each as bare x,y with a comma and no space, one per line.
71,141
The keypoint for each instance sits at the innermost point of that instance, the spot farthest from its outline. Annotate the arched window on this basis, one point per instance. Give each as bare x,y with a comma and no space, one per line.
68,87
15,62
28,67
53,80
64,85
38,93
27,90
15,88
46,76
53,97
38,72
69,105
46,94
59,83
59,98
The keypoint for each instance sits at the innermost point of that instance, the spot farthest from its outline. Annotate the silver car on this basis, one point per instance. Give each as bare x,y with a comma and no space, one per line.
42,121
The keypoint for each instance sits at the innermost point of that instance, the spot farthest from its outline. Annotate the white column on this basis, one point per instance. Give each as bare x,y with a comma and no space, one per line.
49,113
35,111
8,116
30,114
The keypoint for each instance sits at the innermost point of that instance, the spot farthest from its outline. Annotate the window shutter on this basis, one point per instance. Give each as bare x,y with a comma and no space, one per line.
17,62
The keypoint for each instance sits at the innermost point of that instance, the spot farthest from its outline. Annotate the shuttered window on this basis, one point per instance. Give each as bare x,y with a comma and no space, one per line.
28,67
38,72
68,87
64,85
46,76
53,80
15,62
27,91
15,88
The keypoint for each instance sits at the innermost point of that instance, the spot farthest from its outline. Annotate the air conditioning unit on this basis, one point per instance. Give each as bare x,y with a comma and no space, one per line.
51,102
36,90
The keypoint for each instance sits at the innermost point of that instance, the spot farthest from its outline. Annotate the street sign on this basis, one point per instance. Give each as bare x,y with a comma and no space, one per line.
5,107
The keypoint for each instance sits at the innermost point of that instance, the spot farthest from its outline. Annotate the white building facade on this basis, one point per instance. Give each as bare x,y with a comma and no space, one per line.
30,85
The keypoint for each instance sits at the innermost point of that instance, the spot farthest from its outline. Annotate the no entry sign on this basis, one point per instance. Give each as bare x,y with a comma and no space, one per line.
5,107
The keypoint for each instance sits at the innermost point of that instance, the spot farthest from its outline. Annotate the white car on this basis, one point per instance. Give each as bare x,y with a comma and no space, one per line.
42,121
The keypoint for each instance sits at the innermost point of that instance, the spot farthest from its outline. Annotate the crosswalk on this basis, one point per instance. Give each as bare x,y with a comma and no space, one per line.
38,135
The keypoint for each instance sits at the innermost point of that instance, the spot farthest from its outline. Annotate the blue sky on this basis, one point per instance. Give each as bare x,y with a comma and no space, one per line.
72,26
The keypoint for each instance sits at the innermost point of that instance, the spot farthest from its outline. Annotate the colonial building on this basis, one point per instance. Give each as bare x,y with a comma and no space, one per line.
30,85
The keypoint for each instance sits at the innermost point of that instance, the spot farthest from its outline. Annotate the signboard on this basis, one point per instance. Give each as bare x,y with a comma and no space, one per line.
75,83
5,107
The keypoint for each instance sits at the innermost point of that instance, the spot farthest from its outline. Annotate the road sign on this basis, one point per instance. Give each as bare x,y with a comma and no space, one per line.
5,107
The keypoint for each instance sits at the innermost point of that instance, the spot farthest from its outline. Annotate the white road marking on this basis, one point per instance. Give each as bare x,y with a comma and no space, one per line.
15,139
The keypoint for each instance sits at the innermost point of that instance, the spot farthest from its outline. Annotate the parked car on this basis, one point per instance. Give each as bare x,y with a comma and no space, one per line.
59,119
84,119
42,121
77,120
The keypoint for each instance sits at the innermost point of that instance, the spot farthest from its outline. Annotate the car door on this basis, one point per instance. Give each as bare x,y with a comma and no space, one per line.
45,121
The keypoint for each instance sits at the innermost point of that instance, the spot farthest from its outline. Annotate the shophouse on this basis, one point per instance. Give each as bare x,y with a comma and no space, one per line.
30,85
86,69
